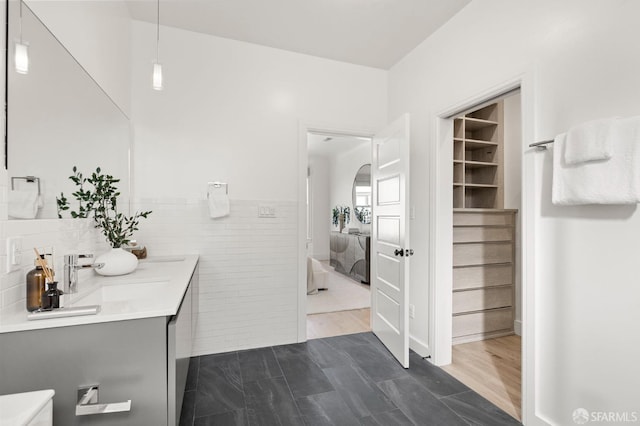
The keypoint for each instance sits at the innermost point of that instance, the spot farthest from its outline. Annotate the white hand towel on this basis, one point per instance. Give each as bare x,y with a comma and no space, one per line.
23,204
590,141
218,202
615,181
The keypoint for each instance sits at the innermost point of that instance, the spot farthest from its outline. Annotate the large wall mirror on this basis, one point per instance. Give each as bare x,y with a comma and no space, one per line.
361,194
58,117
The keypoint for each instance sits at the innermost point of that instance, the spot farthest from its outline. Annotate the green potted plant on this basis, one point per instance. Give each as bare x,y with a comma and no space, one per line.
340,215
97,197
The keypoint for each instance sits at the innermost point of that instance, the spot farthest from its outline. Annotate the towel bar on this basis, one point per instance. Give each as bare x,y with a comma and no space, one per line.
29,179
540,145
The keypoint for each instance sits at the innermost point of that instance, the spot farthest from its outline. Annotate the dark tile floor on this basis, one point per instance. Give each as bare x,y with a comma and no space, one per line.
344,380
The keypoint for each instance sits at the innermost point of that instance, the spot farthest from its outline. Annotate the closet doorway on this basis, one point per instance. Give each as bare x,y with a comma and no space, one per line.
486,309
338,194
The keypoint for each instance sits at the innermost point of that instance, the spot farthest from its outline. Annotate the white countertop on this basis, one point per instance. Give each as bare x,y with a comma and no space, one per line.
155,289
21,408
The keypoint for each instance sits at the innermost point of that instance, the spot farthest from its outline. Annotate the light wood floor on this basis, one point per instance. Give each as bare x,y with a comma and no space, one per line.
493,369
338,323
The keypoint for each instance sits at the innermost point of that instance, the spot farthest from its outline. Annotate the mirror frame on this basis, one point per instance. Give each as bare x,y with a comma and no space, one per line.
353,193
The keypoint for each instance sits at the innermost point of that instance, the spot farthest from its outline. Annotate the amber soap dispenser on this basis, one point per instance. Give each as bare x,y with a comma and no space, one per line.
36,279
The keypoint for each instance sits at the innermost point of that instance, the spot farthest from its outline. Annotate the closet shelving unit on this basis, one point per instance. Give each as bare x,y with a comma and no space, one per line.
483,231
478,158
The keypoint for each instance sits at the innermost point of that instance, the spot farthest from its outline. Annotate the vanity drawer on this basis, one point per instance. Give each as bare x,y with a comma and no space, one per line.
480,299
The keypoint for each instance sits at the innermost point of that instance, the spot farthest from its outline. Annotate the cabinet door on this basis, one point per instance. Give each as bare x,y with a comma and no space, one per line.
179,340
127,359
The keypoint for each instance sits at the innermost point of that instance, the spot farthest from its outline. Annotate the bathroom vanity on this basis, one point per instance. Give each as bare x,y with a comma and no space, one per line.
136,348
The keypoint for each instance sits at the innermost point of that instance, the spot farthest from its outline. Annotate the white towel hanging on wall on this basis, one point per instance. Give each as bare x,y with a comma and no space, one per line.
218,199
612,181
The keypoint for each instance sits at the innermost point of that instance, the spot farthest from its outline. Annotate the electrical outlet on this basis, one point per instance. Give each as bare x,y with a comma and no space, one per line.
412,311
14,253
412,212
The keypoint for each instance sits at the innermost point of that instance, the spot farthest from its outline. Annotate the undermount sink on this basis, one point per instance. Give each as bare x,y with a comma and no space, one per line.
130,292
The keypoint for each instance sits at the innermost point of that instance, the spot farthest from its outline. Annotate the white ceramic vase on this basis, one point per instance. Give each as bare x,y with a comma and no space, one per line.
117,261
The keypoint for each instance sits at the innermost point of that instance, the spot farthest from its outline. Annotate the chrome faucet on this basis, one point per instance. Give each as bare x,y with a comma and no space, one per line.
71,269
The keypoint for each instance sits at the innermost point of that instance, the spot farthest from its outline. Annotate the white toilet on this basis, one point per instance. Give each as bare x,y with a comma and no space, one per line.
27,409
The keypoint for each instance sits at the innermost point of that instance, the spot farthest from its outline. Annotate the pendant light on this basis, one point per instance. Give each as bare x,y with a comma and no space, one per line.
21,51
157,67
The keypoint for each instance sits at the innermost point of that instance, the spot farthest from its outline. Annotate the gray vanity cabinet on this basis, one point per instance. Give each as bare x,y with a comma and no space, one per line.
144,360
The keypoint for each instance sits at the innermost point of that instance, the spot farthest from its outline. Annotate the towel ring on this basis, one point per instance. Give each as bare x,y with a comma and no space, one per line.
219,185
29,179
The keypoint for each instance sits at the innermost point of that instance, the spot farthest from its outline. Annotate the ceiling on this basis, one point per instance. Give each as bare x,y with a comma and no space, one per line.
329,146
374,33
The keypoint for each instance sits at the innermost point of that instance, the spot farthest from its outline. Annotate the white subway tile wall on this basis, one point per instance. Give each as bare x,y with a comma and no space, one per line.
64,236
248,268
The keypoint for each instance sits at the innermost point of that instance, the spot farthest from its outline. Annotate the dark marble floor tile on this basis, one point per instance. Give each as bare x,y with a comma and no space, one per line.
477,410
326,409
274,415
267,391
340,342
295,349
229,418
418,404
192,375
303,375
219,387
388,418
326,355
376,362
188,408
257,364
361,395
438,381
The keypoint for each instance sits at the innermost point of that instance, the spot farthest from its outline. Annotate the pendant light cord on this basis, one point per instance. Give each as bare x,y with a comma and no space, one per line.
157,32
21,21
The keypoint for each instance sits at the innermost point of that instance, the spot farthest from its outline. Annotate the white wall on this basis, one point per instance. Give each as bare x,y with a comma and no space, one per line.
578,55
513,186
231,111
98,35
320,207
342,171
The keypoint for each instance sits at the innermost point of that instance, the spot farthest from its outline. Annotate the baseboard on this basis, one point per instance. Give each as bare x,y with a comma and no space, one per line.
419,347
320,257
517,327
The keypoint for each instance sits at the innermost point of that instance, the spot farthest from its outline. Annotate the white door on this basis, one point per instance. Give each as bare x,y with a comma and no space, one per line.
390,239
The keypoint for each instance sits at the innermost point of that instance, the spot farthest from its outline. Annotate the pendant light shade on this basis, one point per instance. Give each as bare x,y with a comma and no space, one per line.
157,76
21,58
157,67
21,51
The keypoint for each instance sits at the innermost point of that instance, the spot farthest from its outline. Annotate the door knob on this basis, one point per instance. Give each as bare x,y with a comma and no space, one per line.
399,252
409,252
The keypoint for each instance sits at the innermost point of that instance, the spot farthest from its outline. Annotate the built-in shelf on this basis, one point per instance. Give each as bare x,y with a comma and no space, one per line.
477,158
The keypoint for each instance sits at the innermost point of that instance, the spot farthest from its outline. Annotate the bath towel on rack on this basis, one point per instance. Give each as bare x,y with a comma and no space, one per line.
614,181
218,200
590,141
23,204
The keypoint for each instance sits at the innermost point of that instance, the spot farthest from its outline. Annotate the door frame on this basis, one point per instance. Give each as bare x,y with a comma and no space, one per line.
441,224
303,163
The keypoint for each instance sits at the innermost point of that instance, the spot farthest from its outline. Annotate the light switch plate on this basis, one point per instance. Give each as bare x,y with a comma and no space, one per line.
266,210
14,253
